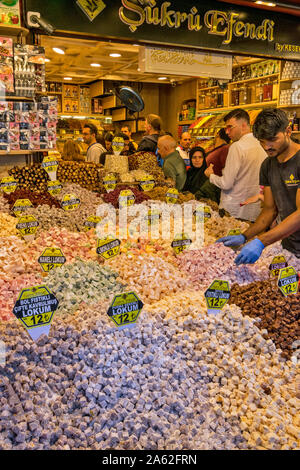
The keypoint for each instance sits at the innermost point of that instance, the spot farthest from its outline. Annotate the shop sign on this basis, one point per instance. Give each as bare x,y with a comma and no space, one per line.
195,64
278,262
172,196
147,183
34,309
8,184
288,281
91,222
126,198
70,202
202,214
27,226
217,295
20,206
51,258
181,243
54,187
108,248
209,25
125,309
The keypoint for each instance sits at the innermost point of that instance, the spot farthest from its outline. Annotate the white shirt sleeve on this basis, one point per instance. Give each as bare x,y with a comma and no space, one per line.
231,169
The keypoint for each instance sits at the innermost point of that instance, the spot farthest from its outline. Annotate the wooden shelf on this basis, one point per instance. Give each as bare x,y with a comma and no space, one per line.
16,98
289,106
53,92
254,79
23,152
10,30
289,79
244,106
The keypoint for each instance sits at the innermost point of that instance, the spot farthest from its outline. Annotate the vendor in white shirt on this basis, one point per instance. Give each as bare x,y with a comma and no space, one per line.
184,148
89,134
240,177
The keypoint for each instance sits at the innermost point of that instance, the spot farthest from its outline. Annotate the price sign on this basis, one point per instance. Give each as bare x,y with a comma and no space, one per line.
91,222
181,243
153,217
234,232
125,309
202,213
278,262
27,226
50,165
126,198
118,145
35,308
54,187
51,258
8,184
108,248
147,183
172,196
288,281
217,295
110,182
20,206
70,202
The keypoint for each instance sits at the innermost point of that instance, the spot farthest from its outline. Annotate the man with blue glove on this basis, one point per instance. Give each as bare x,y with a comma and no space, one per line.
280,176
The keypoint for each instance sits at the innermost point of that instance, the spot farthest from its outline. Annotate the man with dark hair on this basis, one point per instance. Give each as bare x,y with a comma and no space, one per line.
153,127
280,176
89,133
240,176
218,156
127,130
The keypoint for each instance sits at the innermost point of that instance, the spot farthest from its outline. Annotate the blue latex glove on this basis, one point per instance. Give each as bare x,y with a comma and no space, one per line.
250,252
232,240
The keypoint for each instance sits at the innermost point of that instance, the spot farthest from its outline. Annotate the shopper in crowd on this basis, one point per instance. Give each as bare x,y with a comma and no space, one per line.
280,176
153,127
174,166
127,131
184,148
196,181
71,152
218,155
95,149
108,138
240,176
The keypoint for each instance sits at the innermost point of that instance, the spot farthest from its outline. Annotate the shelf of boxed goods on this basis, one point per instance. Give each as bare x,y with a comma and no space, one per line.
244,106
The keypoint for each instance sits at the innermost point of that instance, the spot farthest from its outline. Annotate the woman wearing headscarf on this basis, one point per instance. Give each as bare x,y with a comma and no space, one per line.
196,181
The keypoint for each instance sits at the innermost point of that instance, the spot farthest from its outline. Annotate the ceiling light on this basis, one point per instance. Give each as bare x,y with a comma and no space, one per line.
162,78
68,78
268,4
95,65
115,54
58,50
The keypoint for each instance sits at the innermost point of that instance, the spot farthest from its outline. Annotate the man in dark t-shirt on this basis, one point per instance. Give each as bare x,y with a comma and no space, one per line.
280,176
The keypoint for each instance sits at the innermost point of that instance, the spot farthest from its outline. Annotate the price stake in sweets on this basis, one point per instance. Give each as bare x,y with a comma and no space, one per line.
27,226
108,248
147,183
234,232
278,262
91,222
180,243
217,295
202,213
51,258
153,217
20,206
8,184
70,202
118,145
288,281
172,196
50,165
125,309
110,182
126,198
34,309
54,187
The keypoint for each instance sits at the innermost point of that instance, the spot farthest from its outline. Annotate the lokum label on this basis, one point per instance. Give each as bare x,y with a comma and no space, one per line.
54,187
110,182
20,206
108,248
278,262
50,165
234,232
27,226
118,145
202,213
51,258
35,308
91,8
180,243
217,295
288,281
153,217
91,222
172,196
8,184
70,202
125,309
147,183
126,198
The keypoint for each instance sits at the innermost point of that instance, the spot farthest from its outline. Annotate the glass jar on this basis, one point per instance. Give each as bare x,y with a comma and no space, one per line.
235,96
275,89
207,100
267,90
202,101
259,92
220,99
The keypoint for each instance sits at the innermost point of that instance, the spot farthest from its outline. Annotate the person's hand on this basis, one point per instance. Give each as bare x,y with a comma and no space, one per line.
253,199
209,171
250,252
232,240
